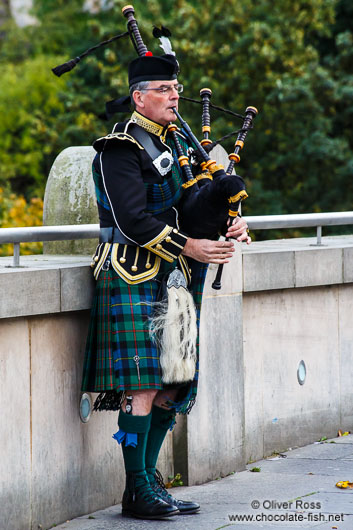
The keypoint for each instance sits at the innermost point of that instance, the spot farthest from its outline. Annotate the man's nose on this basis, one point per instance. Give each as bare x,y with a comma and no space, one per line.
174,94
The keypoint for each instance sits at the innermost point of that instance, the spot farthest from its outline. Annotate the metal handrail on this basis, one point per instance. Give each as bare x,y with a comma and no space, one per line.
266,222
32,234
90,231
301,220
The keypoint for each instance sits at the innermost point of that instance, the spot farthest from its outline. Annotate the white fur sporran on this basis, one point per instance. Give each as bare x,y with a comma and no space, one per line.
174,328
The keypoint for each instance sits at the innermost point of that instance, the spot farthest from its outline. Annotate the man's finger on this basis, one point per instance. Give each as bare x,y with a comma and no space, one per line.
239,226
219,261
242,237
224,245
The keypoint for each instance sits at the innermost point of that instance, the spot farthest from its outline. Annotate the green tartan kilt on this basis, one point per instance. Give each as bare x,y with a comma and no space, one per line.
120,355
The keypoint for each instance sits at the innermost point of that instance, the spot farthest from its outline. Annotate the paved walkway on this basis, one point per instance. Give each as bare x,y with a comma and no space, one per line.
296,490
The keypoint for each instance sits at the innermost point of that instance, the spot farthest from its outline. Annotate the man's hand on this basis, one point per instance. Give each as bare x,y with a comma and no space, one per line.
238,230
207,251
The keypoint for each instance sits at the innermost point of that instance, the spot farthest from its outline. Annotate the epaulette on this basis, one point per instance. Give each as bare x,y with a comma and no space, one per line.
100,143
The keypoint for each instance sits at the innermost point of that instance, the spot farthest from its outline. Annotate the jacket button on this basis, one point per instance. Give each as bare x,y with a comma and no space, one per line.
168,239
159,246
175,230
134,268
122,260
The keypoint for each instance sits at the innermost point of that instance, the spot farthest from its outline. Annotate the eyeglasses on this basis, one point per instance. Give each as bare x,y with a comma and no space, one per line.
166,89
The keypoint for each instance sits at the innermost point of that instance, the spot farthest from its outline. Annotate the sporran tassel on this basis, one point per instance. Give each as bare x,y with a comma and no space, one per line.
174,328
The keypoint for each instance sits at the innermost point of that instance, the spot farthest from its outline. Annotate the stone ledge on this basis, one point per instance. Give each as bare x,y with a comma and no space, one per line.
290,263
348,265
45,285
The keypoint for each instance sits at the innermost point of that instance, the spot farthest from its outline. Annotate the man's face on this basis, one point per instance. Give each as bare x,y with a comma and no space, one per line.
155,105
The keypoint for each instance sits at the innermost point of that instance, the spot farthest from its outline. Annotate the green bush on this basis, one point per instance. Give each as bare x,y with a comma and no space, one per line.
291,59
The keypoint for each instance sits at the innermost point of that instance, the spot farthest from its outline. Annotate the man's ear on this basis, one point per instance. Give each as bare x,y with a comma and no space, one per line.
137,96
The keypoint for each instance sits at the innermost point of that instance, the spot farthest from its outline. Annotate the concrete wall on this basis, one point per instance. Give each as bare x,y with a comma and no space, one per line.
281,302
53,466
303,324
296,299
214,430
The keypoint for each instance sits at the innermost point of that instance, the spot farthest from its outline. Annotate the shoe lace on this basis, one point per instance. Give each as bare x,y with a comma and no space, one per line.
145,491
159,485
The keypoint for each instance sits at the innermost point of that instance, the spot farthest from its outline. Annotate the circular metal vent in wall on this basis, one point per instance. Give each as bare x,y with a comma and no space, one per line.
301,372
85,407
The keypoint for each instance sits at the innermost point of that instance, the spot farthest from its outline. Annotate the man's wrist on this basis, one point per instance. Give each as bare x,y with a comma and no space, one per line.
189,245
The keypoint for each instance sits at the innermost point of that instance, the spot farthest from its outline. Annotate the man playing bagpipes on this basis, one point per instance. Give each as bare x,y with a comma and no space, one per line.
142,348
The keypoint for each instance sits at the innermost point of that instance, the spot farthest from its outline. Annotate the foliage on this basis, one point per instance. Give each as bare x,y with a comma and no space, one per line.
29,106
174,482
291,59
15,211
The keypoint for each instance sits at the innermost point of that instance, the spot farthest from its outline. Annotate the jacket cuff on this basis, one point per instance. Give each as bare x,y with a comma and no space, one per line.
168,244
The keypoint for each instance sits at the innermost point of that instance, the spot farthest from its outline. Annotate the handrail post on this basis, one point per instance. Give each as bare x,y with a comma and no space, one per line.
318,235
16,255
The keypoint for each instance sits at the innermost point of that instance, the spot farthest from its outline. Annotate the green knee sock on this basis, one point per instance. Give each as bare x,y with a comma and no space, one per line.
134,457
161,421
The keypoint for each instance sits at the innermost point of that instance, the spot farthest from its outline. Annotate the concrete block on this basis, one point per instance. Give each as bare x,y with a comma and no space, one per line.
15,426
308,327
231,276
290,326
165,462
77,468
215,425
254,336
77,288
180,447
268,270
345,324
29,292
70,198
348,265
219,154
318,267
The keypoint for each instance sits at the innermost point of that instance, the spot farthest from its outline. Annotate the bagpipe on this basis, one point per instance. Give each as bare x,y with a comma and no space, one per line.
212,195
217,201
212,199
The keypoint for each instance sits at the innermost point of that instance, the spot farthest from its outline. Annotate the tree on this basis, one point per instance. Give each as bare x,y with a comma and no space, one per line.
290,59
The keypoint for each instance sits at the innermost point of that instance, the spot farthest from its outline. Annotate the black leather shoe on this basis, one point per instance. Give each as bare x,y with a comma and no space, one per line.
141,501
184,507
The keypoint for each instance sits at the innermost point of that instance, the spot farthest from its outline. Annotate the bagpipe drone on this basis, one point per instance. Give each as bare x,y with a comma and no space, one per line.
212,194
